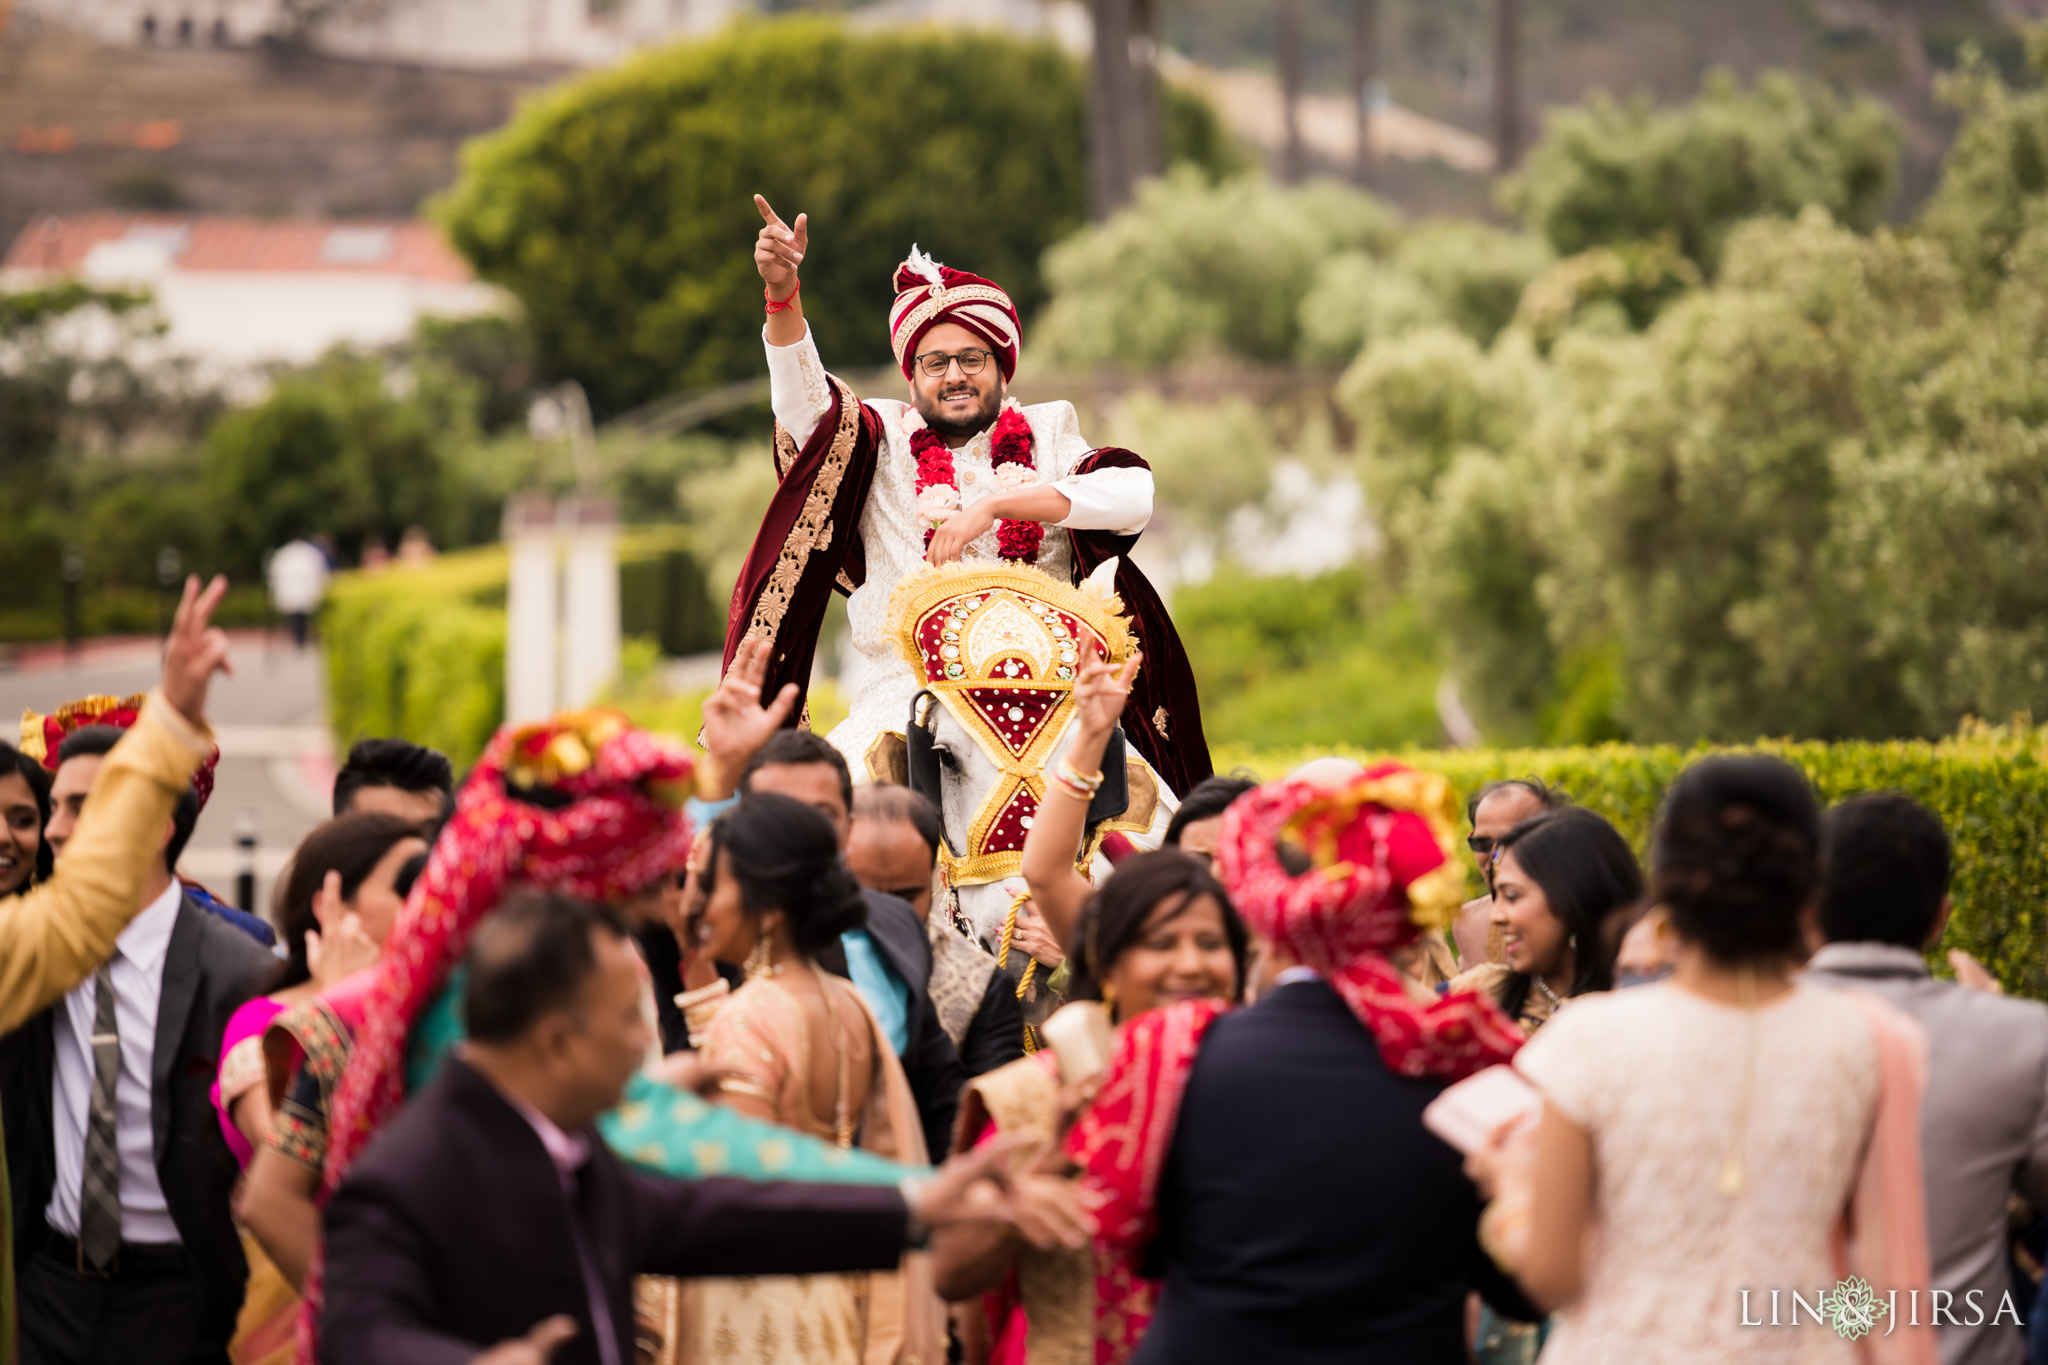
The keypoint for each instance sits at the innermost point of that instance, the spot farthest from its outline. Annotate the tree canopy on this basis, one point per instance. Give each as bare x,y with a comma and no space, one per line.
618,207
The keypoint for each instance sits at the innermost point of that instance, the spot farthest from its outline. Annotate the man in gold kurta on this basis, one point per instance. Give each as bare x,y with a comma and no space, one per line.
54,935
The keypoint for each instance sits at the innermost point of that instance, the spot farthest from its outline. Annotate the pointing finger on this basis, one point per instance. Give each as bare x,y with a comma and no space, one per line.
768,214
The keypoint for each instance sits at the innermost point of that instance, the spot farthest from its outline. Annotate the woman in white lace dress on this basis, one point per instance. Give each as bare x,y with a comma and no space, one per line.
1714,1135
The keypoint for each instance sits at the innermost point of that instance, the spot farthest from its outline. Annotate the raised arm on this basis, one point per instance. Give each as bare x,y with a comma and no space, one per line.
797,390
1053,846
54,935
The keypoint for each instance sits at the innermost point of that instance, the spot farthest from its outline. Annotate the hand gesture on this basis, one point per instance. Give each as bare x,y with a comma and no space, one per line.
735,722
194,649
535,1348
1100,692
1033,937
1973,974
980,1187
1505,1165
698,969
779,250
959,531
340,947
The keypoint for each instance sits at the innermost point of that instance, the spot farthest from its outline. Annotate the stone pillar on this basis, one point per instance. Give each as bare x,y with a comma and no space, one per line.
590,607
531,609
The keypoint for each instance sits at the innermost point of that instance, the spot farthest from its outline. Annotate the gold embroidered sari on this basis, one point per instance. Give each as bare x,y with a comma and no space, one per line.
761,1036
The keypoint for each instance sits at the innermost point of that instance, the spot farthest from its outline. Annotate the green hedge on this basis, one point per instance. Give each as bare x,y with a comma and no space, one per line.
421,652
1990,788
127,611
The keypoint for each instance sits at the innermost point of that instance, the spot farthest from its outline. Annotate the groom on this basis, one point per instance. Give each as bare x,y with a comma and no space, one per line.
870,491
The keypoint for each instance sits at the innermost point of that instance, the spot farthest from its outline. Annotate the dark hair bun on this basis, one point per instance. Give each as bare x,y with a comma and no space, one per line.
1737,856
785,856
835,907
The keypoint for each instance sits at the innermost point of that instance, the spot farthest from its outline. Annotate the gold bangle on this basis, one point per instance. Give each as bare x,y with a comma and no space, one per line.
702,995
1078,793
1081,781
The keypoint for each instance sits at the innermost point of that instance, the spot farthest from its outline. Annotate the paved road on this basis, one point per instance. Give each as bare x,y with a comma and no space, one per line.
276,767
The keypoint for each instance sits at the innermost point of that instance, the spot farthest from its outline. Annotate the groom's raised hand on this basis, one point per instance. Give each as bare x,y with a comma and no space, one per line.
778,251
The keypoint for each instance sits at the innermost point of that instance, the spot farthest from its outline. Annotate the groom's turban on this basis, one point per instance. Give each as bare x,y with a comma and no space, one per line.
928,294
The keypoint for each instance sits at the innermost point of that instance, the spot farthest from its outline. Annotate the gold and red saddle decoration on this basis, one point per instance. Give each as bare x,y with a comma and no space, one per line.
41,736
1384,866
1001,648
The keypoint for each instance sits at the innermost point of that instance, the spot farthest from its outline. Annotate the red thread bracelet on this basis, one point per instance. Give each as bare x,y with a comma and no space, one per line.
786,304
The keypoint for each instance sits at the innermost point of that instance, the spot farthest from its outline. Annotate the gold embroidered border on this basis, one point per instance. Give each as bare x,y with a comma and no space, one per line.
923,591
98,704
932,584
813,526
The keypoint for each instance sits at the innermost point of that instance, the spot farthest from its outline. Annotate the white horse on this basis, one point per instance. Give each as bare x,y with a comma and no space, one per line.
997,650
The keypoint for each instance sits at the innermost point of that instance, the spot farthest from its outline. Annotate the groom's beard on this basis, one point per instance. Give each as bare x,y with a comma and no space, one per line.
978,420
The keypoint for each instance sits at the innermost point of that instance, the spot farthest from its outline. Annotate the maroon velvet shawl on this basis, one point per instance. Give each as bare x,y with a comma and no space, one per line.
809,545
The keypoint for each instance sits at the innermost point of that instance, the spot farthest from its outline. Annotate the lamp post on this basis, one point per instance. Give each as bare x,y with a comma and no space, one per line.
74,578
169,565
245,871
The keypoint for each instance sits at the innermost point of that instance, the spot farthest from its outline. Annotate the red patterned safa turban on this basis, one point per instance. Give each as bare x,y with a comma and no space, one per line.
1382,867
928,294
42,736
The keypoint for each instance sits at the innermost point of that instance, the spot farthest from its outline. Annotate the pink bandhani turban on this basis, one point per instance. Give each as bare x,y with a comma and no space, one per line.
583,804
928,294
1383,866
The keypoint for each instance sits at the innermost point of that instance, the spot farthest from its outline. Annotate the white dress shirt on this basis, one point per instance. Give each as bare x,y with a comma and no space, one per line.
892,529
138,975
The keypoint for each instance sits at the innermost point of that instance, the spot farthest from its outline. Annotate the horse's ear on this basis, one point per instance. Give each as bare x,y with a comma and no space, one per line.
922,757
1113,797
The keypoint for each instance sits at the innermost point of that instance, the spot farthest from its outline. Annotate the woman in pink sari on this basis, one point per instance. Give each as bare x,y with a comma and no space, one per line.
335,907
1160,933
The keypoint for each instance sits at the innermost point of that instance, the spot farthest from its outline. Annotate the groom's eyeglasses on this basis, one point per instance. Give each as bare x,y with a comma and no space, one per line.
936,363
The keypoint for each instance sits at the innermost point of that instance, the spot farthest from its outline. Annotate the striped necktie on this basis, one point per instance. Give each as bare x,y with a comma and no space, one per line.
99,1207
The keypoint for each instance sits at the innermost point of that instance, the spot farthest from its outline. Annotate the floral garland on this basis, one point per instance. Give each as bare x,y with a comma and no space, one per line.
938,483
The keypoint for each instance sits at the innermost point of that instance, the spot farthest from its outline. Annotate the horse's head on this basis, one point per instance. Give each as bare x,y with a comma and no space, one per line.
998,650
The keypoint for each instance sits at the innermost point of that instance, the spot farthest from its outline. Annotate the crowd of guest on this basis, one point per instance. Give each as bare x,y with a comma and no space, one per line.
622,1053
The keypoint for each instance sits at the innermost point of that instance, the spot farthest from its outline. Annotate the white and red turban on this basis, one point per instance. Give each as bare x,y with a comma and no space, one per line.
928,294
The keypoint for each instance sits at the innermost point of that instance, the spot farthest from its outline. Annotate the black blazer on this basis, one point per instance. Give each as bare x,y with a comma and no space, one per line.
995,1035
452,1233
210,969
1305,1213
930,1062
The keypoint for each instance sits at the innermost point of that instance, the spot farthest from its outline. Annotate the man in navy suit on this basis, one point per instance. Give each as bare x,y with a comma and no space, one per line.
1305,1214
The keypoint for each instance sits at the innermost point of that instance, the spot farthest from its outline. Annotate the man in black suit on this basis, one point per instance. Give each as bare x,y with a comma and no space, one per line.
893,847
119,1175
1305,1213
891,960
490,1222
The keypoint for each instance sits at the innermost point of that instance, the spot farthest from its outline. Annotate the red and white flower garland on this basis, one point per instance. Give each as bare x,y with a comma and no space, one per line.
938,484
